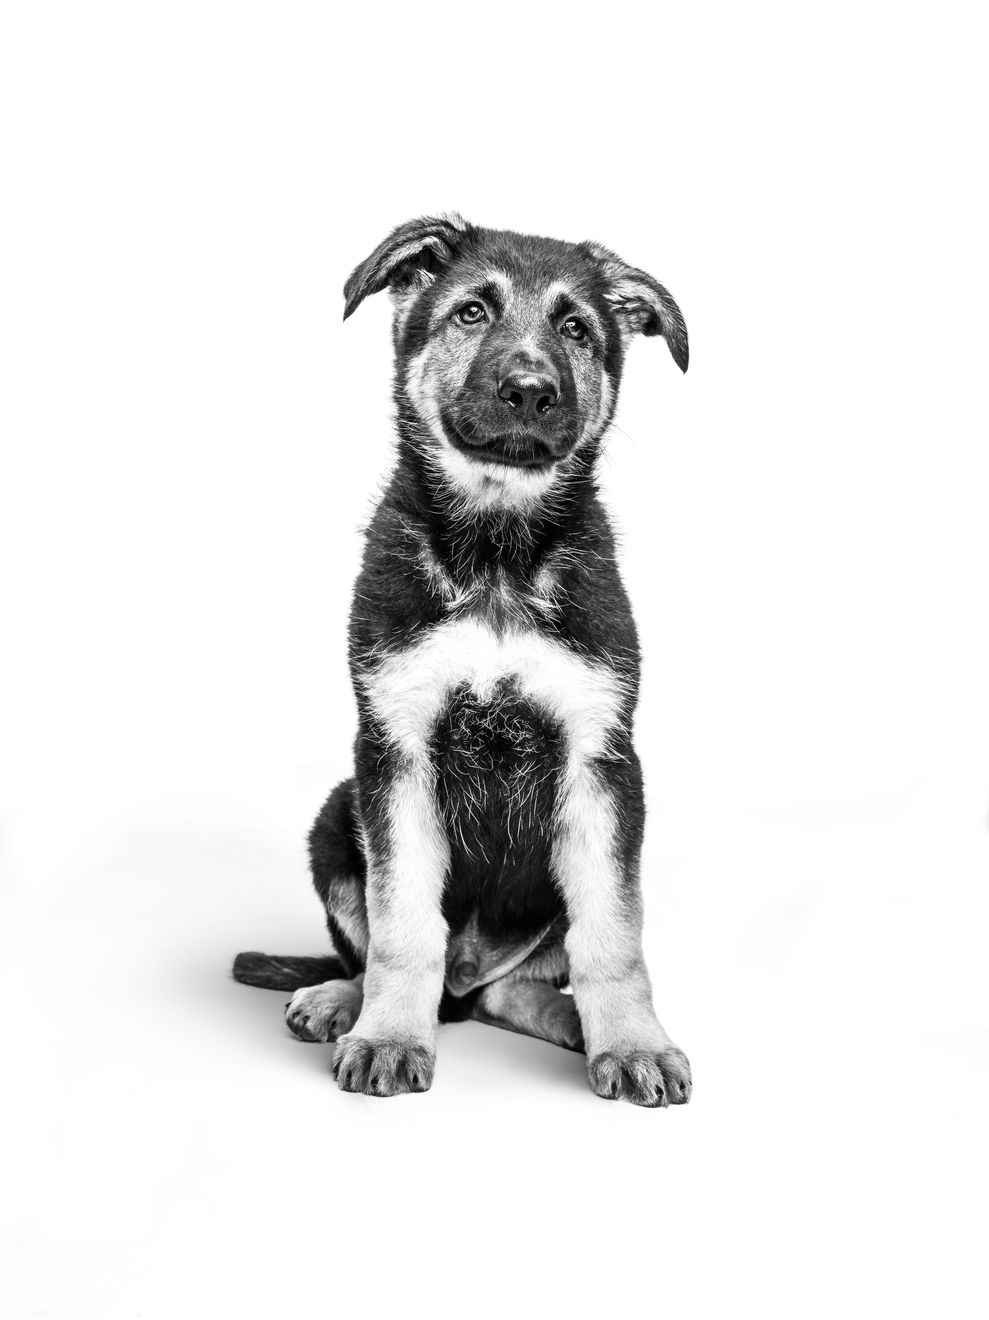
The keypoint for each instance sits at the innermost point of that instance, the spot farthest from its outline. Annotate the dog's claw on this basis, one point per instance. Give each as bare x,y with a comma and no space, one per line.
651,1078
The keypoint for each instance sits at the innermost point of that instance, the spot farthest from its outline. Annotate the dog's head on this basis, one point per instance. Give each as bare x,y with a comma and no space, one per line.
509,348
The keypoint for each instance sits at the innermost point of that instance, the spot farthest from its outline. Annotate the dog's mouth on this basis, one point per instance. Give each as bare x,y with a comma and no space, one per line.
524,450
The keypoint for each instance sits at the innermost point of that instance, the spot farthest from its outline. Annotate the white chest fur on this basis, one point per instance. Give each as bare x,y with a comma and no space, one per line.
408,690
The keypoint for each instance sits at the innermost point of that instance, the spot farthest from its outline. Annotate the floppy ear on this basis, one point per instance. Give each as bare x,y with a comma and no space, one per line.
408,258
643,305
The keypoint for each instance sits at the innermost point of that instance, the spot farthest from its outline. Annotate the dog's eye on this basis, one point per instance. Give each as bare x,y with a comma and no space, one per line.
574,329
472,313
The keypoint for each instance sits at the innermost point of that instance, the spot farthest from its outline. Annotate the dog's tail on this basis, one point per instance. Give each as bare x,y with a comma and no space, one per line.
274,973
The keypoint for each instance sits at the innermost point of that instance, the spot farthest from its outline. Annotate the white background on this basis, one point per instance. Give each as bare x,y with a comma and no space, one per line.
191,439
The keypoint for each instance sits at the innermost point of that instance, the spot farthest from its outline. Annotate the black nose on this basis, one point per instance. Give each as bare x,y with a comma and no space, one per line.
529,392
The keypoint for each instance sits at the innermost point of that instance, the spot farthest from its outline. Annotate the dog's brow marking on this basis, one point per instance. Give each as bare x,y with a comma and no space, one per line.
557,291
493,291
471,288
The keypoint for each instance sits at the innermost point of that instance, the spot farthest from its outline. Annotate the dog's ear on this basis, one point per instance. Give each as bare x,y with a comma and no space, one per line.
643,305
409,258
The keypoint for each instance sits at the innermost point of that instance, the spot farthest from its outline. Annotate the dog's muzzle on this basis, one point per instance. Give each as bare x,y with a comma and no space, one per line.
524,448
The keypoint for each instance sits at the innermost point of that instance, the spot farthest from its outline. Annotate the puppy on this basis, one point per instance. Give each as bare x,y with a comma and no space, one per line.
486,850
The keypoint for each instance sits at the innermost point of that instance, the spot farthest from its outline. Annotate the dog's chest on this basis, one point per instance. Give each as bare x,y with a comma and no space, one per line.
464,677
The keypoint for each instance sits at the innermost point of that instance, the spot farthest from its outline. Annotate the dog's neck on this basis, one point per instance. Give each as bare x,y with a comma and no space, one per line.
469,541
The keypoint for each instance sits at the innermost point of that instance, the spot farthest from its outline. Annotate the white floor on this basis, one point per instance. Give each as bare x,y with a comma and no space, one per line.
172,1150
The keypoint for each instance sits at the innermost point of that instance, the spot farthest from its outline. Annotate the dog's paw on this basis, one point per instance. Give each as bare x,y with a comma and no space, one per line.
323,1012
653,1078
564,1025
383,1067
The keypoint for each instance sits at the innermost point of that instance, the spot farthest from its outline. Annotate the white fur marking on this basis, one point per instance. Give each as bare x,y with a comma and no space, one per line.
405,963
349,912
409,688
604,942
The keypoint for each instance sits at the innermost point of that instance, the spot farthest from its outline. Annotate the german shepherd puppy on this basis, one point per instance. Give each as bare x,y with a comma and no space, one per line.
486,851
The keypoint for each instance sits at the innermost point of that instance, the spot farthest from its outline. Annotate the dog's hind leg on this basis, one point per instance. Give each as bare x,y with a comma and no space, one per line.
326,1011
532,1008
338,870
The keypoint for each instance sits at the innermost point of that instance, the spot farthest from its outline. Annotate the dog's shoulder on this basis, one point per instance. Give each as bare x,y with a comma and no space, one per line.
595,614
393,596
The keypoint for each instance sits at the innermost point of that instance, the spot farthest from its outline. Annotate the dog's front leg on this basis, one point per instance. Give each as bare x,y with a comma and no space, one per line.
392,1046
595,857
